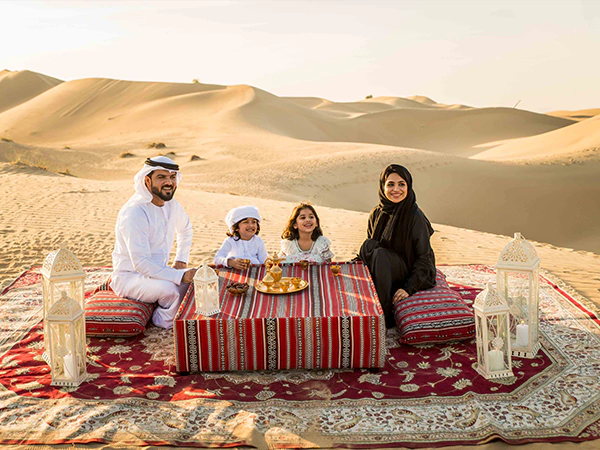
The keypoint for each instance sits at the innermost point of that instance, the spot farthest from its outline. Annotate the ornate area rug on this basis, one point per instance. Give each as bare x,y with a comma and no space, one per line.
427,395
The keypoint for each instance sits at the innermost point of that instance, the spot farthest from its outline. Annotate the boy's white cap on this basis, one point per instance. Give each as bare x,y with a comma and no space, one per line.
241,213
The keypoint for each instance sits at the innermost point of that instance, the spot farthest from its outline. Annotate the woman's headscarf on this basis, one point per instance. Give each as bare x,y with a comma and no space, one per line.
396,216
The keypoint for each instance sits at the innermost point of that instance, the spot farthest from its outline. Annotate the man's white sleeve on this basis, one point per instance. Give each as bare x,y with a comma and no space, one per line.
184,232
134,228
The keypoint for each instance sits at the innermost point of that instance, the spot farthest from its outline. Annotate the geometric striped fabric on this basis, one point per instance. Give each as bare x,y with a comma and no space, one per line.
107,314
104,286
435,315
336,322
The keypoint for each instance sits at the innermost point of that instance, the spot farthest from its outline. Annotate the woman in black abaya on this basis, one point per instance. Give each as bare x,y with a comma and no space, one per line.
397,251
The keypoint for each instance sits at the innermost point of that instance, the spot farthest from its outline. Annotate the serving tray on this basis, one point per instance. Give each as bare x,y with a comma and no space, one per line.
263,288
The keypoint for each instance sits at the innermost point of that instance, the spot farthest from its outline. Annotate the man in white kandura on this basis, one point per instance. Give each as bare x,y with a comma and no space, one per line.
145,231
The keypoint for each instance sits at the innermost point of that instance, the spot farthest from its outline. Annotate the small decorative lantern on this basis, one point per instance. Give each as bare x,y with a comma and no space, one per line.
206,291
518,282
66,341
61,271
492,333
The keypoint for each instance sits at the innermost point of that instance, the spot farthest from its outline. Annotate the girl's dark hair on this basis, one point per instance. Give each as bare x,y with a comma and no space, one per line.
235,234
290,233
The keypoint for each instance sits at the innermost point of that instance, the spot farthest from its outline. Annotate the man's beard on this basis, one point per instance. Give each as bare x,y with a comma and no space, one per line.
163,196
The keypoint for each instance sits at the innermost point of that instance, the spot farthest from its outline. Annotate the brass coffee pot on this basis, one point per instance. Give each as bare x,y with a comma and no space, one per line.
273,271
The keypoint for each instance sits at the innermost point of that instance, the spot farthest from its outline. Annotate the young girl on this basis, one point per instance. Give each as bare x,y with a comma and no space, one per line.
302,238
242,246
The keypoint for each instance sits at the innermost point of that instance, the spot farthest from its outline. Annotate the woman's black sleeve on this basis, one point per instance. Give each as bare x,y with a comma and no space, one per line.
423,267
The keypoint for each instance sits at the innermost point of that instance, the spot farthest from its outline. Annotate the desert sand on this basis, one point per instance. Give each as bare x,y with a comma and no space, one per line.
69,150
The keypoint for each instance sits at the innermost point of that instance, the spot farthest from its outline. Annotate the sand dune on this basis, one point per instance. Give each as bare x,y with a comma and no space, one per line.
346,109
451,131
94,111
87,109
581,114
370,105
581,139
253,143
19,87
423,99
261,149
411,103
428,101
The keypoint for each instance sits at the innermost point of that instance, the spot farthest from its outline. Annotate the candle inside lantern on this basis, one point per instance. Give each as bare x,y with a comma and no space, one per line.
496,358
522,335
69,366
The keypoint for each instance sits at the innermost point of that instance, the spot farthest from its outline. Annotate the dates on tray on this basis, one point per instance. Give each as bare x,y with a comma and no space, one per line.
237,288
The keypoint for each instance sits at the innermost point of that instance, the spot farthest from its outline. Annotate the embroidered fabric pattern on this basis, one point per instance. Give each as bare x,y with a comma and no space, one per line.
425,395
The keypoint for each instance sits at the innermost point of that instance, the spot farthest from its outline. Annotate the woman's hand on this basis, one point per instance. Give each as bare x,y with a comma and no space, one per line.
400,294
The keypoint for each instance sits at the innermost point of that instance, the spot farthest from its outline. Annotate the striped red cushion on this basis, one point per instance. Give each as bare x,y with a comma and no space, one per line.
435,315
107,314
104,286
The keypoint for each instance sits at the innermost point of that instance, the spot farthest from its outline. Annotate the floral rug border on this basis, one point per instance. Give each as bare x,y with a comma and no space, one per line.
570,384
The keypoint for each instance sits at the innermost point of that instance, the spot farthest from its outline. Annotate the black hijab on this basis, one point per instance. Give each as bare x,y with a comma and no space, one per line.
396,217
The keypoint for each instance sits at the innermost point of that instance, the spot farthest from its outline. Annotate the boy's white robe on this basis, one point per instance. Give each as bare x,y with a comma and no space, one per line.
253,249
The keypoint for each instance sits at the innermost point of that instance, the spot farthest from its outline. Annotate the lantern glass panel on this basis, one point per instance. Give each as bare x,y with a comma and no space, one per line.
497,327
63,359
493,354
481,336
492,331
516,290
206,291
79,347
51,291
521,290
67,352
74,289
212,292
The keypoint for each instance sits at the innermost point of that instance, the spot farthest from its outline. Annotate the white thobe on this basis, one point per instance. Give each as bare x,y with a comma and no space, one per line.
253,249
145,234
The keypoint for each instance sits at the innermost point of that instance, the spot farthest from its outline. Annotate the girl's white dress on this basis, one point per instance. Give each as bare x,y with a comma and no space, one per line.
253,249
319,251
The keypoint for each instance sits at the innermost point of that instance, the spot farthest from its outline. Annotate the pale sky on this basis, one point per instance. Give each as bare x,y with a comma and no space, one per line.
543,53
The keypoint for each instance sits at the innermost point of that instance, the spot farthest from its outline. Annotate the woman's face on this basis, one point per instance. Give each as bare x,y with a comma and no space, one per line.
395,188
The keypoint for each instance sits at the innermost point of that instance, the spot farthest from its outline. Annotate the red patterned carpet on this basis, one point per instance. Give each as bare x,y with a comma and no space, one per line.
428,395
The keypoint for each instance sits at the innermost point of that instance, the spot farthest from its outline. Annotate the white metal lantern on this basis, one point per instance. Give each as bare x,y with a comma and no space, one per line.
206,291
61,271
518,282
66,341
492,333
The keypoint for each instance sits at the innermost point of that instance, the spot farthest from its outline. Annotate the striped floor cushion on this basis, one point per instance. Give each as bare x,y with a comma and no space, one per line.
435,315
107,314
